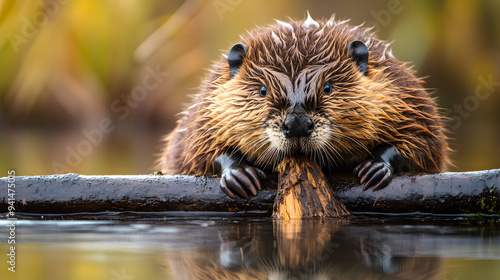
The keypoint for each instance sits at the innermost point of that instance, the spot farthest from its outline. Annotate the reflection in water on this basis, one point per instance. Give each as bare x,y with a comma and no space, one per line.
193,246
308,250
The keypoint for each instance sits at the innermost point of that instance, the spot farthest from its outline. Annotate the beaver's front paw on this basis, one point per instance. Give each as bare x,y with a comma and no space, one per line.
241,179
376,174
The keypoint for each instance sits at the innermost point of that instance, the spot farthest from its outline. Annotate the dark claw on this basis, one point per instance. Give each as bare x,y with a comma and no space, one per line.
236,175
384,181
373,174
243,178
235,185
375,178
261,173
371,170
223,186
361,168
254,176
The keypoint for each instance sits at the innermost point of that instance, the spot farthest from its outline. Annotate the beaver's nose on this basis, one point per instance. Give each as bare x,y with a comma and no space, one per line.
297,125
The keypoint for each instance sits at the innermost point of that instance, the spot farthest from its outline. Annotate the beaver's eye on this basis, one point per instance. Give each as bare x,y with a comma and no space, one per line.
263,91
327,89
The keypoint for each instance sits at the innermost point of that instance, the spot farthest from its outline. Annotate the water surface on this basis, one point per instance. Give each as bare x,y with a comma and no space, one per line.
180,245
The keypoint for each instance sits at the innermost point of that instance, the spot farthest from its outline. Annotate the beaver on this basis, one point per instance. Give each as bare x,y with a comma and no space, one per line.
324,89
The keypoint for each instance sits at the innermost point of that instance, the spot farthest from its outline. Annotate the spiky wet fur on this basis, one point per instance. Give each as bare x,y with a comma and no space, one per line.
294,60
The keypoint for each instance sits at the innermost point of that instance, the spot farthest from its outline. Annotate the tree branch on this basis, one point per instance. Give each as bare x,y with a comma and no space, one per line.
441,193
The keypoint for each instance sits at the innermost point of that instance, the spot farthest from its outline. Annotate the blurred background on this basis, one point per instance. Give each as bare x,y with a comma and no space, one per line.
91,86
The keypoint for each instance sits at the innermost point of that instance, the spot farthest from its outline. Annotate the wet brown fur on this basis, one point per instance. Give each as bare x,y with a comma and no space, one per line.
388,105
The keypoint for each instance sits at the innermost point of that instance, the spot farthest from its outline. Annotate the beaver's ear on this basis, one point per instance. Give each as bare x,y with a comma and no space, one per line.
235,58
359,53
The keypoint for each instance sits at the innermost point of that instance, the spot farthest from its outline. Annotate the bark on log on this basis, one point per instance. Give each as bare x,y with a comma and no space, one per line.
442,193
303,192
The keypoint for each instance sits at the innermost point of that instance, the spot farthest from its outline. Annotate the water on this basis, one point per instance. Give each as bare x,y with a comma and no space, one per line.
179,245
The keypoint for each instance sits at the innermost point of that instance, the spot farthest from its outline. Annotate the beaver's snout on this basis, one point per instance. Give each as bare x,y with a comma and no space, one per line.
297,124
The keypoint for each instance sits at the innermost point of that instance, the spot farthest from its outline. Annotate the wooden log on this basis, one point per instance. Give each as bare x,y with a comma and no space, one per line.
303,192
441,193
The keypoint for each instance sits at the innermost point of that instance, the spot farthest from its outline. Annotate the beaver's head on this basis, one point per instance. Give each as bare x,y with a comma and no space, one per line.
325,89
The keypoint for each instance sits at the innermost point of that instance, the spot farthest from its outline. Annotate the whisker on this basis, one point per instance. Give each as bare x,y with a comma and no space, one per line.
357,143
